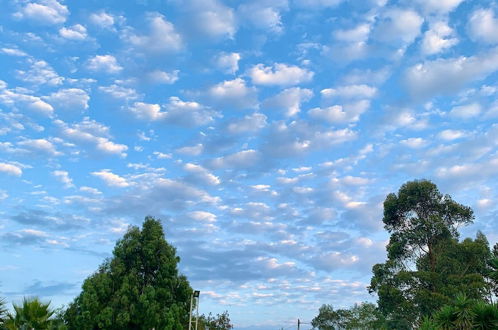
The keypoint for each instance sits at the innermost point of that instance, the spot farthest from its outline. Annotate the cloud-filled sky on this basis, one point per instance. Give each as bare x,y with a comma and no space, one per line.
264,133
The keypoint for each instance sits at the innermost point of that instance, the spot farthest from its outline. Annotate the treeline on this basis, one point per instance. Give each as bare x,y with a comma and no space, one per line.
431,279
138,288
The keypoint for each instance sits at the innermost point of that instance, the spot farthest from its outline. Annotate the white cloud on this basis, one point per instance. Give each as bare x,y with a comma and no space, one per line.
147,111
448,75
199,174
10,169
105,63
202,216
241,159
466,111
176,112
439,6
91,133
119,92
483,26
316,4
12,98
350,92
111,179
299,137
227,62
75,32
233,93
161,155
71,98
63,177
162,37
3,196
162,77
279,74
485,203
289,100
102,19
247,124
213,19
40,73
44,11
340,113
359,33
12,52
191,150
438,38
264,15
39,146
469,171
402,25
188,114
414,143
450,134
41,107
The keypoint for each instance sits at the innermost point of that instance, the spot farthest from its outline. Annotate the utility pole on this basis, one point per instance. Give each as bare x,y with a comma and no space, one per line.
298,324
195,295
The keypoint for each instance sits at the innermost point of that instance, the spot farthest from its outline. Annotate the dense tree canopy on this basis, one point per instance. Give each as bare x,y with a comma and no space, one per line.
427,266
138,288
364,316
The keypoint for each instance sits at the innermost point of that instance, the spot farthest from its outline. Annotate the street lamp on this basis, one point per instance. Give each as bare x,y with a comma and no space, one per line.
195,295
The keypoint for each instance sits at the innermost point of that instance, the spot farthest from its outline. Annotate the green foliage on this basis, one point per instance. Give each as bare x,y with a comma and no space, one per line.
138,288
427,324
492,273
465,314
220,322
32,314
485,316
363,316
427,266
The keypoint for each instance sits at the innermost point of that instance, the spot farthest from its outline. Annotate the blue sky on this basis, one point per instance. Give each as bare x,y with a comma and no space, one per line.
265,134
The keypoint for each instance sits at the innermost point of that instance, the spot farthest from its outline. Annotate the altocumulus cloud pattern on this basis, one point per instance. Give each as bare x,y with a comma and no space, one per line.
264,133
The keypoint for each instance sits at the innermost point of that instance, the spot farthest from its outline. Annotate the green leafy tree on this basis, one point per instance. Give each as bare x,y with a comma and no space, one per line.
492,274
31,314
426,264
329,319
138,288
218,322
364,316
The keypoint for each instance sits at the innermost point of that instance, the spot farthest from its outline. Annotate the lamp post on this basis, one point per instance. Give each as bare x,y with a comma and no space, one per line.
195,295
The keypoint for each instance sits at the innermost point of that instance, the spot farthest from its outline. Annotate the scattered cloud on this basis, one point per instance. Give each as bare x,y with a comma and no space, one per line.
162,36
76,32
43,12
279,74
227,62
440,76
289,100
233,93
483,26
63,177
10,169
437,39
70,99
104,63
111,179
